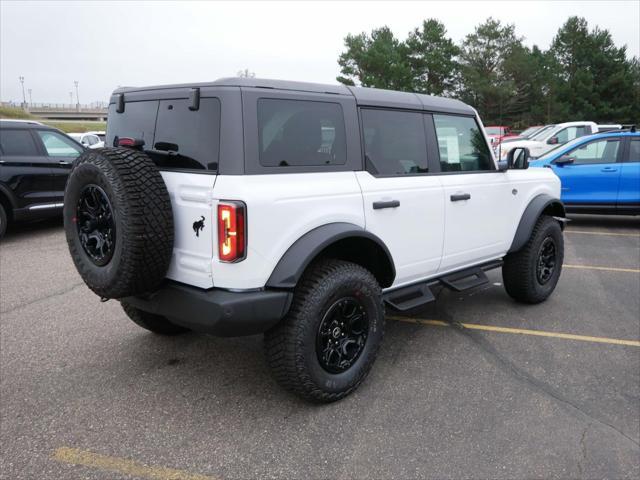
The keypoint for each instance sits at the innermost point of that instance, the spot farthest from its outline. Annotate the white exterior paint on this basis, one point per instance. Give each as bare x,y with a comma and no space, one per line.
414,231
280,209
428,235
191,199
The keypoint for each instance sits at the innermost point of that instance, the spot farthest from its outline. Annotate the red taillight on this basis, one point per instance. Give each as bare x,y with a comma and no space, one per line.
232,238
128,142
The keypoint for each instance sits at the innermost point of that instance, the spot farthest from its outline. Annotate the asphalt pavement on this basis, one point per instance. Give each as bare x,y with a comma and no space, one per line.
477,387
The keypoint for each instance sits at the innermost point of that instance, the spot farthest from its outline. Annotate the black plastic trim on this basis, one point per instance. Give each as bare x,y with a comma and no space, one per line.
530,217
296,259
216,311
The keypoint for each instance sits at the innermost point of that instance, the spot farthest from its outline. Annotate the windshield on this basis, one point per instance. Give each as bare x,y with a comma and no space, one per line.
529,131
568,146
538,135
493,130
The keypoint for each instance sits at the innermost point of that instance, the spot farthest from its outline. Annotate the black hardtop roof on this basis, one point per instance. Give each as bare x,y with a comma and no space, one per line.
26,124
375,97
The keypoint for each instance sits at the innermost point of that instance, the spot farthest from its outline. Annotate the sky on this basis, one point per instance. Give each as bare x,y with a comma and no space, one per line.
103,45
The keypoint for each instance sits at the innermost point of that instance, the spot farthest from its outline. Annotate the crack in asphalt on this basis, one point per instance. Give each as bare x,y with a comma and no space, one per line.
46,297
508,366
583,449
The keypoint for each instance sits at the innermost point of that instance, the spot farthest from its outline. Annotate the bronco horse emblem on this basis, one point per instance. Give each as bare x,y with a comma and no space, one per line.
198,226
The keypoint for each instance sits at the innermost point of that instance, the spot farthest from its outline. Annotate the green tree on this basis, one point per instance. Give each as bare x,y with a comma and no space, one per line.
595,80
432,57
377,60
487,57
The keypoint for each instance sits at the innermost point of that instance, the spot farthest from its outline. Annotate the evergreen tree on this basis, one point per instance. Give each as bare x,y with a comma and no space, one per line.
377,60
432,58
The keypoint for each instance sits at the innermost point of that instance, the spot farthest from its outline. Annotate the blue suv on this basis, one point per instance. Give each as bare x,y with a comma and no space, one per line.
599,173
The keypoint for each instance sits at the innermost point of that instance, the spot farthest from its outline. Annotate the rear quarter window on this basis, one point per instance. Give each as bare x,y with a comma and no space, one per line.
300,133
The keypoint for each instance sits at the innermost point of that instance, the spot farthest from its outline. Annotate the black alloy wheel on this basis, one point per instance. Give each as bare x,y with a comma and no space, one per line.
95,224
546,261
342,335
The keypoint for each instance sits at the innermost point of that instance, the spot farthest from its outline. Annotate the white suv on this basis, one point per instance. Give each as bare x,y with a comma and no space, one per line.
88,140
244,206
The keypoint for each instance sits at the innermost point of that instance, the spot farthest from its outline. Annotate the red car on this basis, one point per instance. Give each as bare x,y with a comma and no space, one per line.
498,133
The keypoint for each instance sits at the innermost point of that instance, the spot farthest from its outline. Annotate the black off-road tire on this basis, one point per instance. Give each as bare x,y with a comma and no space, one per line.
519,272
3,221
154,323
291,347
143,239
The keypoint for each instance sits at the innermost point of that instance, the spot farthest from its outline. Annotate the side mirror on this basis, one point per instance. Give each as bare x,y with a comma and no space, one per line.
518,158
553,141
564,160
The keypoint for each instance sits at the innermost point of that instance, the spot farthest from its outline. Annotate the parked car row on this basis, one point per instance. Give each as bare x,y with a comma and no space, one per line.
546,138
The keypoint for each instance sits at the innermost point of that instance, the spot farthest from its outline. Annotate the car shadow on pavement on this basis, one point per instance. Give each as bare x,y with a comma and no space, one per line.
604,221
16,231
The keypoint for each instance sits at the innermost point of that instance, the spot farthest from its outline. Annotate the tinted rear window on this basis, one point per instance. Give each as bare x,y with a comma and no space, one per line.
300,133
190,139
174,136
17,143
137,121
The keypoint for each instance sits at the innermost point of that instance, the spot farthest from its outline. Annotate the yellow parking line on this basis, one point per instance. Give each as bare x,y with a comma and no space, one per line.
123,466
593,232
519,331
606,269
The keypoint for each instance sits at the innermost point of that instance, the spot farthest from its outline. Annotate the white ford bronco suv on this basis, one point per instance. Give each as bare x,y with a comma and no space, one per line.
299,210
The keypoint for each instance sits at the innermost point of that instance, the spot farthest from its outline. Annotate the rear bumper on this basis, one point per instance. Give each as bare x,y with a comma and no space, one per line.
215,311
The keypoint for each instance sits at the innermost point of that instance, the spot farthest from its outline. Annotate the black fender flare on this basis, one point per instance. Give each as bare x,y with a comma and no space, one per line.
300,254
530,216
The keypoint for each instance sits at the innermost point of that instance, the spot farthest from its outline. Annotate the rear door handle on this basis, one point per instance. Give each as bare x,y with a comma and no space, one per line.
386,204
64,162
460,196
609,169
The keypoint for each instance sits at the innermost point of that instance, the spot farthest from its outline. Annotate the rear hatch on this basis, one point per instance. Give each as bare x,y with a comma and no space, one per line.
184,144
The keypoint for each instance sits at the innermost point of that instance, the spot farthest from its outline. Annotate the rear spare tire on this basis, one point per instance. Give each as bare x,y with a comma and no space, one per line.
118,222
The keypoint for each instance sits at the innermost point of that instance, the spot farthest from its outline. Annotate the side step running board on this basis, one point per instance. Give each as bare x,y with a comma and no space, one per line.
409,297
464,280
417,295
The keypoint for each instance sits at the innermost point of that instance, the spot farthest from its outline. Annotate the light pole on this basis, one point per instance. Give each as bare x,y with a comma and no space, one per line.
71,99
75,82
24,98
30,98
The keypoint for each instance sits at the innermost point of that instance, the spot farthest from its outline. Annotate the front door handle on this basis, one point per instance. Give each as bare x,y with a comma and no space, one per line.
64,162
460,196
609,169
386,204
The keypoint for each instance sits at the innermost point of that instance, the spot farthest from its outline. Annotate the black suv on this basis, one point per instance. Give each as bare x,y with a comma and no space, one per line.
35,161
